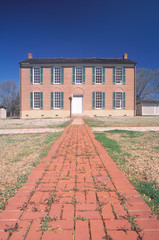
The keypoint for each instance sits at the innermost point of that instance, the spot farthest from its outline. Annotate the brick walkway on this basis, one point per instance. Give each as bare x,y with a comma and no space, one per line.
77,192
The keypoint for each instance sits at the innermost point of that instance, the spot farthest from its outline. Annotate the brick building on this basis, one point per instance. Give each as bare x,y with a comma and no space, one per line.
100,87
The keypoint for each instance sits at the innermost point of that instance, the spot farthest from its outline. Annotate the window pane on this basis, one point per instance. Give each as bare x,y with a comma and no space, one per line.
118,75
98,99
98,75
57,99
36,99
57,75
78,75
118,99
36,75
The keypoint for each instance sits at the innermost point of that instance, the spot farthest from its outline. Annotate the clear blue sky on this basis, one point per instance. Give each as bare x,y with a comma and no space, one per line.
78,28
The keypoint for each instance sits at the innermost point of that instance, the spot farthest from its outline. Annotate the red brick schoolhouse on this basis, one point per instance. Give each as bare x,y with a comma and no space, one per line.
96,86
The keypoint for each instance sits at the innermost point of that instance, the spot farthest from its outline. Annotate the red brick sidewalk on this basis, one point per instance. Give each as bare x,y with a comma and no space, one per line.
77,192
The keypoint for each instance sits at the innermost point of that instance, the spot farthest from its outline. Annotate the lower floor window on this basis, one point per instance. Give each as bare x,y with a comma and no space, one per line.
98,100
118,103
36,100
57,99
118,100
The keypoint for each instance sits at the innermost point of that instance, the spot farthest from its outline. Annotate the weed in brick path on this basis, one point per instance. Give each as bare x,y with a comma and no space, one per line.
34,209
11,228
124,229
113,210
28,228
122,198
55,218
73,234
108,237
49,201
134,225
80,218
23,207
44,223
74,201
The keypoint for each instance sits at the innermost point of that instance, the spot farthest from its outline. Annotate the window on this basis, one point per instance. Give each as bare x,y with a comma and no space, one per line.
57,75
119,100
98,100
118,75
36,75
98,75
78,75
36,99
118,103
57,78
57,100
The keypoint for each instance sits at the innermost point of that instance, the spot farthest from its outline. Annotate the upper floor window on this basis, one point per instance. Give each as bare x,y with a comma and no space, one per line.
36,75
98,75
78,75
57,75
119,76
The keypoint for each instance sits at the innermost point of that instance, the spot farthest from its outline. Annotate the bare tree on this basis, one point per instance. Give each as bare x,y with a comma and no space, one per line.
9,97
147,84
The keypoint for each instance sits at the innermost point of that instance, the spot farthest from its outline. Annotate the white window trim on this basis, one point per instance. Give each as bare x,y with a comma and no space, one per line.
33,99
95,77
33,75
95,100
75,74
54,75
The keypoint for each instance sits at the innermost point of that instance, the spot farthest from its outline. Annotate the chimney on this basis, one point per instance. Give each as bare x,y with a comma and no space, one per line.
30,55
125,56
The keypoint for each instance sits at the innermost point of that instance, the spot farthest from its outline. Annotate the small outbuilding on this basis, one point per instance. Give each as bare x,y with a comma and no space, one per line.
147,107
3,112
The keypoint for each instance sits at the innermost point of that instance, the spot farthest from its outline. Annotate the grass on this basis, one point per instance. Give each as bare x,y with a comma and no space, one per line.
131,152
149,191
34,123
137,121
19,155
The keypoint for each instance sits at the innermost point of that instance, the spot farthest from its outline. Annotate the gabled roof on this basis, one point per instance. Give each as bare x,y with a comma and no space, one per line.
77,61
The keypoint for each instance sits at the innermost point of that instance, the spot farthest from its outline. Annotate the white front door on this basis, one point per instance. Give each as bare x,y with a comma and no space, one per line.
77,103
